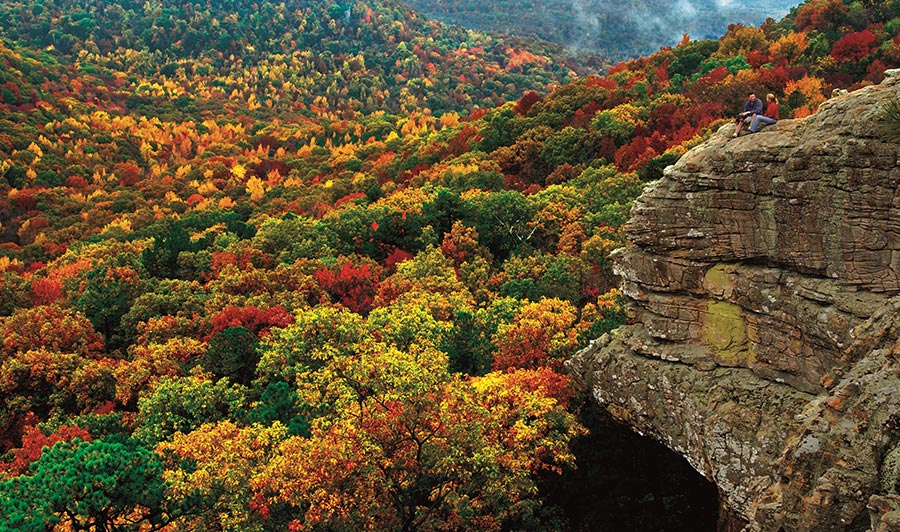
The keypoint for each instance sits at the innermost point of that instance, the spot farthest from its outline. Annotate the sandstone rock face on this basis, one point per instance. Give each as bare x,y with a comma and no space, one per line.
762,341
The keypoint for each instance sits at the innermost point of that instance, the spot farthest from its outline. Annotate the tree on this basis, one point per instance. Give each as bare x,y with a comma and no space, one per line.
12,293
854,46
461,245
181,404
34,441
104,485
429,277
408,322
821,15
470,343
232,353
181,300
502,220
215,465
351,285
107,295
542,334
789,48
53,327
147,364
161,258
413,449
46,383
256,320
741,40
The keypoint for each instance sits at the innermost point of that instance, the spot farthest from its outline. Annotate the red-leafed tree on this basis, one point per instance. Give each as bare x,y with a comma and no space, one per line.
351,285
45,291
854,46
257,320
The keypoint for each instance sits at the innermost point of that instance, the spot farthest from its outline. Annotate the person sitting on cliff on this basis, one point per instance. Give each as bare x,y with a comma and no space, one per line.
770,116
752,107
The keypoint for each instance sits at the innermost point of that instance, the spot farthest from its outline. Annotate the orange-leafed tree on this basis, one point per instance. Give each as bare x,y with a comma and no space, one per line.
46,383
52,327
542,334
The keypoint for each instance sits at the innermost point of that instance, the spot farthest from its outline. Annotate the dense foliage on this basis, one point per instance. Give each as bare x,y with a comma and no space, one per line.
232,311
284,56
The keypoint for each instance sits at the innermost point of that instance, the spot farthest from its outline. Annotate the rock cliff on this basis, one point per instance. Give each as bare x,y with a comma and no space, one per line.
762,341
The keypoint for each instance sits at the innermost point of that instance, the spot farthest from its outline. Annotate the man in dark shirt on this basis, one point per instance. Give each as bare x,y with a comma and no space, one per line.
752,107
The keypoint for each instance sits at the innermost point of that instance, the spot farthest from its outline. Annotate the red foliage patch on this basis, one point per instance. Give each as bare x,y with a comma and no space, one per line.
459,144
33,444
26,199
45,291
348,198
76,181
353,286
757,58
526,102
194,199
129,173
854,46
524,348
477,113
396,257
252,318
596,81
413,172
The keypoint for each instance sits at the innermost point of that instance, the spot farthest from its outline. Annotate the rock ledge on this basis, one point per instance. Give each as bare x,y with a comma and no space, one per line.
763,276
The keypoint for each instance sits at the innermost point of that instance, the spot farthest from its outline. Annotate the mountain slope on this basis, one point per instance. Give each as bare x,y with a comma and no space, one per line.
289,309
614,30
348,55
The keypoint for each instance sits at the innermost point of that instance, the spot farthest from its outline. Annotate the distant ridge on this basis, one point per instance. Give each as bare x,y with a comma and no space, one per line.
614,30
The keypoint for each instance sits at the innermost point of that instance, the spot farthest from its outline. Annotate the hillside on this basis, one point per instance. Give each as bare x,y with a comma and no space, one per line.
342,56
613,30
236,298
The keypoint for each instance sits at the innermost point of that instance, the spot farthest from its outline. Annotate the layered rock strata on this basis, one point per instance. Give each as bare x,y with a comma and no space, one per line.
762,341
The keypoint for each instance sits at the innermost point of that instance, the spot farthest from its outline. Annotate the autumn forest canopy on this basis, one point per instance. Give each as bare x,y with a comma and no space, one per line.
317,265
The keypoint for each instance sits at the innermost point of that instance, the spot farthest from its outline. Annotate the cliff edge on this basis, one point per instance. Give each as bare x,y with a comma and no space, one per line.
763,340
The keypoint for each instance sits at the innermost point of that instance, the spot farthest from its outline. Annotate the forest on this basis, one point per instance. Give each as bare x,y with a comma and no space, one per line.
320,267
608,30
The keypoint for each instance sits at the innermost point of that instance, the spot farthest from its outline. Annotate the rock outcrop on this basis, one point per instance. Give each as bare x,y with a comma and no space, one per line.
762,341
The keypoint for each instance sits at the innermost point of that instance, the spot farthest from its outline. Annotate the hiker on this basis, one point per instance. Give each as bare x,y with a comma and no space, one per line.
752,107
770,117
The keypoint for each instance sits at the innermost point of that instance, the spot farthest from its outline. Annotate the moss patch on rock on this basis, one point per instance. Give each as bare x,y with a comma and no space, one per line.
725,333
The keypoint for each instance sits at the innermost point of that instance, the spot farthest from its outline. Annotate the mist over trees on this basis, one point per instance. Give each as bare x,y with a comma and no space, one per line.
614,29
